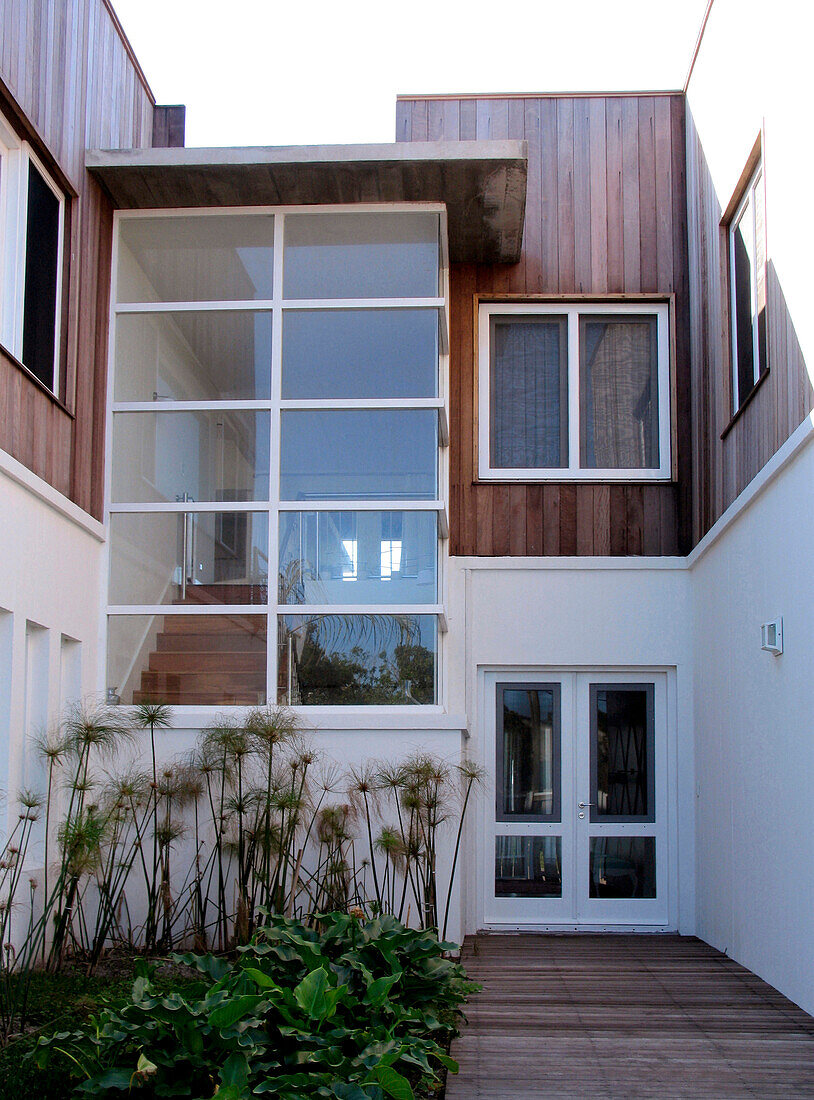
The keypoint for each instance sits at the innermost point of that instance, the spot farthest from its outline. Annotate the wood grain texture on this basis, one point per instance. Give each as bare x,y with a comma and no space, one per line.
605,213
624,1016
725,466
68,82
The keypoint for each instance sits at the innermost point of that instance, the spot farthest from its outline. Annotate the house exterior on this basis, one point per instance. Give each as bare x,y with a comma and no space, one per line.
494,442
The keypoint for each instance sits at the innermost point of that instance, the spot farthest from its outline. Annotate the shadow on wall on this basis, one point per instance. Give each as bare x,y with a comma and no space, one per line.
729,451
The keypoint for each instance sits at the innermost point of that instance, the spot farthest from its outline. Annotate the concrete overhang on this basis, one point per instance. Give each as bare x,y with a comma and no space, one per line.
482,183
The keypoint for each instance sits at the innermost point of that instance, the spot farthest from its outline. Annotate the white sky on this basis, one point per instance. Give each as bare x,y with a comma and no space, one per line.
259,72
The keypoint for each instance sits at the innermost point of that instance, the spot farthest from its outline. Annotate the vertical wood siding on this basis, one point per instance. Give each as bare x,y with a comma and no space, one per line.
724,467
67,69
605,213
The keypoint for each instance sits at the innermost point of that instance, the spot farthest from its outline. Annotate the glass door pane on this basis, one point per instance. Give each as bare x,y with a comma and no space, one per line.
621,770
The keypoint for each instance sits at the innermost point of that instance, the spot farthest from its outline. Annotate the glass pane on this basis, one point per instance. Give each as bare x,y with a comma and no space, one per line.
222,556
354,659
623,754
528,867
529,392
623,867
196,258
41,279
359,454
619,427
361,255
358,557
360,353
195,660
212,356
209,455
743,258
529,755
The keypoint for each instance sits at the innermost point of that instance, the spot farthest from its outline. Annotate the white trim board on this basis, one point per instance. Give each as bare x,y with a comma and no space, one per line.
15,471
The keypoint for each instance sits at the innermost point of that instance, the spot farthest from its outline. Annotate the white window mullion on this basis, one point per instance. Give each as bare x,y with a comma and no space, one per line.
274,456
573,389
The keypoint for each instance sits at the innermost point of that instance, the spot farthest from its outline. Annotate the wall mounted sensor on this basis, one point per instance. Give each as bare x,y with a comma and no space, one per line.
771,637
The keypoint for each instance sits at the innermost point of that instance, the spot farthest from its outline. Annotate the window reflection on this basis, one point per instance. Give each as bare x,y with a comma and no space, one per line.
623,867
357,659
368,557
528,867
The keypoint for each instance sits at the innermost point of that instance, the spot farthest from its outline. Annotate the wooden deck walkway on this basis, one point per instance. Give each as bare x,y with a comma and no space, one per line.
621,1017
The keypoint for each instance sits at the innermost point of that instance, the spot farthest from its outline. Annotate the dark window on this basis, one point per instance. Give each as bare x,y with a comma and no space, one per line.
41,278
747,272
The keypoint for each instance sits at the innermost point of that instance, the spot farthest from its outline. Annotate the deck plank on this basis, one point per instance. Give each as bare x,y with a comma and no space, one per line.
623,1017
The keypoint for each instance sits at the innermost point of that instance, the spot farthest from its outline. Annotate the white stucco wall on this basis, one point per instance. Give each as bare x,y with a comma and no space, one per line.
573,615
50,585
754,721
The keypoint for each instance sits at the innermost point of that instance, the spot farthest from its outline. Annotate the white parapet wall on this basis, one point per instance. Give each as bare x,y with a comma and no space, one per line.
50,577
754,722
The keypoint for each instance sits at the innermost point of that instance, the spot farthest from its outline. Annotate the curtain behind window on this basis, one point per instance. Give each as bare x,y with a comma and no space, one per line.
528,399
619,398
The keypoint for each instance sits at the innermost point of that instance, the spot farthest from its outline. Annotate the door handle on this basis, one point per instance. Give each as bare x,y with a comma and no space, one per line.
583,805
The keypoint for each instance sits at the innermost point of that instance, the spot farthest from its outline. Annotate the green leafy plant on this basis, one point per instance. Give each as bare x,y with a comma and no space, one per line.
361,1010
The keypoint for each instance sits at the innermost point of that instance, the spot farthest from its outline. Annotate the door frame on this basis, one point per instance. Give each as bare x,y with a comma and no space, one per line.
488,677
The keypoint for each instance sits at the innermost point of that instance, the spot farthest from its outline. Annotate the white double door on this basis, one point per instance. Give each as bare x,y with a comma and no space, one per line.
578,835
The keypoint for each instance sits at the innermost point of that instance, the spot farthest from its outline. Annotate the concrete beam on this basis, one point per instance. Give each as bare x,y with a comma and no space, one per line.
482,183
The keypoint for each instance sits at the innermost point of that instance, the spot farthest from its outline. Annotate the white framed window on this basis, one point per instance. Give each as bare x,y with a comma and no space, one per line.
747,289
574,391
32,228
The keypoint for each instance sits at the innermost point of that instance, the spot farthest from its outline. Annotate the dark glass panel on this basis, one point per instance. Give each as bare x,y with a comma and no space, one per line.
529,398
360,353
357,659
188,660
619,403
528,867
623,867
41,278
623,754
743,274
528,767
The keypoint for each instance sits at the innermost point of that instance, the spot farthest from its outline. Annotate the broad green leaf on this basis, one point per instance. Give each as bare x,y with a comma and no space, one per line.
263,980
310,994
393,1083
228,1014
349,1092
235,1071
378,990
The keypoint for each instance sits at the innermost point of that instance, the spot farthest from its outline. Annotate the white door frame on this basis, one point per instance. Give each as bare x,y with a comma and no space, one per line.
595,915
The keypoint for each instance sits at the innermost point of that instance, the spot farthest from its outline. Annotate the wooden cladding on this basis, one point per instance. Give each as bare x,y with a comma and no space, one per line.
68,82
605,215
729,449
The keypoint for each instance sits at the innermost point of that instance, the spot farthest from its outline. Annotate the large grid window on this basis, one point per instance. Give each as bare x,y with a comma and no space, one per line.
275,475
32,215
574,391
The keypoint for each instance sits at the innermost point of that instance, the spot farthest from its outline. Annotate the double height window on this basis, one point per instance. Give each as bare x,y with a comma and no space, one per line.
746,234
571,391
32,215
276,422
